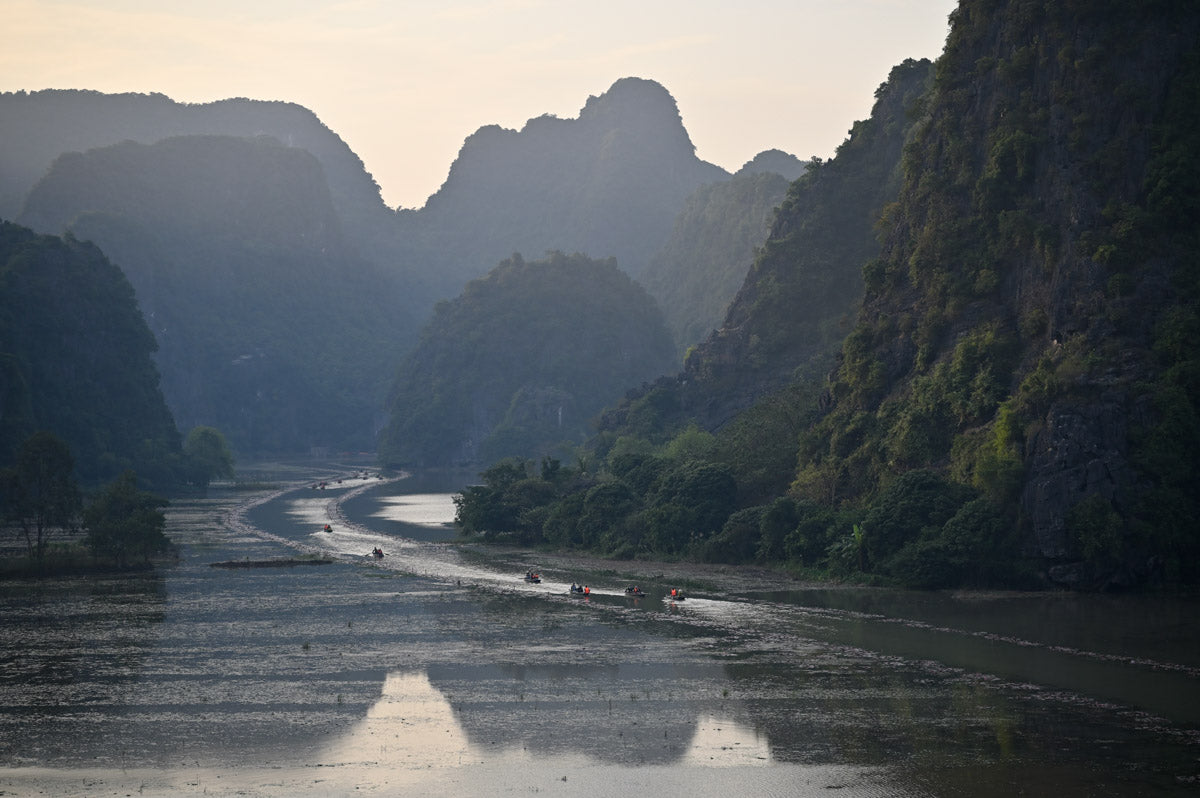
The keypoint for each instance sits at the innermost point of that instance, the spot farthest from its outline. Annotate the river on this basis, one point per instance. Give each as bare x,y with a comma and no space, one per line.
438,671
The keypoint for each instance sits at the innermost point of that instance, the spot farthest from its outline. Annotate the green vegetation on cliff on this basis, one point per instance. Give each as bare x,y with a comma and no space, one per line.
1012,336
699,269
520,363
1018,398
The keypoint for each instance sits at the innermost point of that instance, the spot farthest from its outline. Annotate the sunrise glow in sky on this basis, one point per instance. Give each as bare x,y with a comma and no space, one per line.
404,82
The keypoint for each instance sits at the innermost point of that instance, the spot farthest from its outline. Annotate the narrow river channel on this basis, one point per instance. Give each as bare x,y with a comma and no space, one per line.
437,670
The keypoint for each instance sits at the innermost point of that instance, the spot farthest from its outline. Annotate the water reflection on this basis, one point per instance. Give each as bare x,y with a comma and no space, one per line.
410,726
418,507
72,647
720,741
415,724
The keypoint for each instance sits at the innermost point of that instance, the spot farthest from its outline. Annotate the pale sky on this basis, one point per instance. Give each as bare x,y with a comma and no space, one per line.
404,82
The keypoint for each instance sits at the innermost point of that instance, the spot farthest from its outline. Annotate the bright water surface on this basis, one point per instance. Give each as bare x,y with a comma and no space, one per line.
438,671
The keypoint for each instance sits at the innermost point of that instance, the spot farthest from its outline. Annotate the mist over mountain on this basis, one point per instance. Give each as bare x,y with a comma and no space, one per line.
270,326
75,360
702,264
608,183
36,127
240,252
778,162
797,299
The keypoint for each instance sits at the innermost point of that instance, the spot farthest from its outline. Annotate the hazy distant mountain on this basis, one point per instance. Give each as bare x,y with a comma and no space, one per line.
37,127
237,249
608,183
704,262
75,360
521,361
775,162
270,327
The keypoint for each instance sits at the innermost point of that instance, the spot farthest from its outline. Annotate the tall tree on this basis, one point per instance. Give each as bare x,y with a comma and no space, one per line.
40,493
125,523
208,456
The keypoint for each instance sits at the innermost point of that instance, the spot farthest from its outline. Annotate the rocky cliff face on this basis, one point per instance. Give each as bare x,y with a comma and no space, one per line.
608,183
1028,266
796,303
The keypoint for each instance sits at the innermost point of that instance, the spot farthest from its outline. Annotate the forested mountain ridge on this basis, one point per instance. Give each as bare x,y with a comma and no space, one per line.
1030,327
270,326
795,303
75,360
521,361
608,183
700,267
1016,400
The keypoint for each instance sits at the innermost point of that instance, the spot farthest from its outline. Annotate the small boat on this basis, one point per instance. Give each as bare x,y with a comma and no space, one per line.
327,528
533,578
677,595
636,592
580,590
377,553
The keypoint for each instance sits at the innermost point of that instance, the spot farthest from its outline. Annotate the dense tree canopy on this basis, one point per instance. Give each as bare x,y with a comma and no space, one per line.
520,363
125,524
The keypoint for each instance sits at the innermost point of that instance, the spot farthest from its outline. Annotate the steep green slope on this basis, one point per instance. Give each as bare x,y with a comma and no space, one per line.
75,359
704,262
1018,401
270,327
521,361
796,302
1023,330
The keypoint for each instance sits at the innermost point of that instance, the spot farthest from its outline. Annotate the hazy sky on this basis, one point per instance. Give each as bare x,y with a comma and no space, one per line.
404,82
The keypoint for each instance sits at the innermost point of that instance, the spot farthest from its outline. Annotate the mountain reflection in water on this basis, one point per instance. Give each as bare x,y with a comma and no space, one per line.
415,725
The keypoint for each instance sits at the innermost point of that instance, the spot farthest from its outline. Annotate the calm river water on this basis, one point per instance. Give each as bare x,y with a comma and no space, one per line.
438,671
